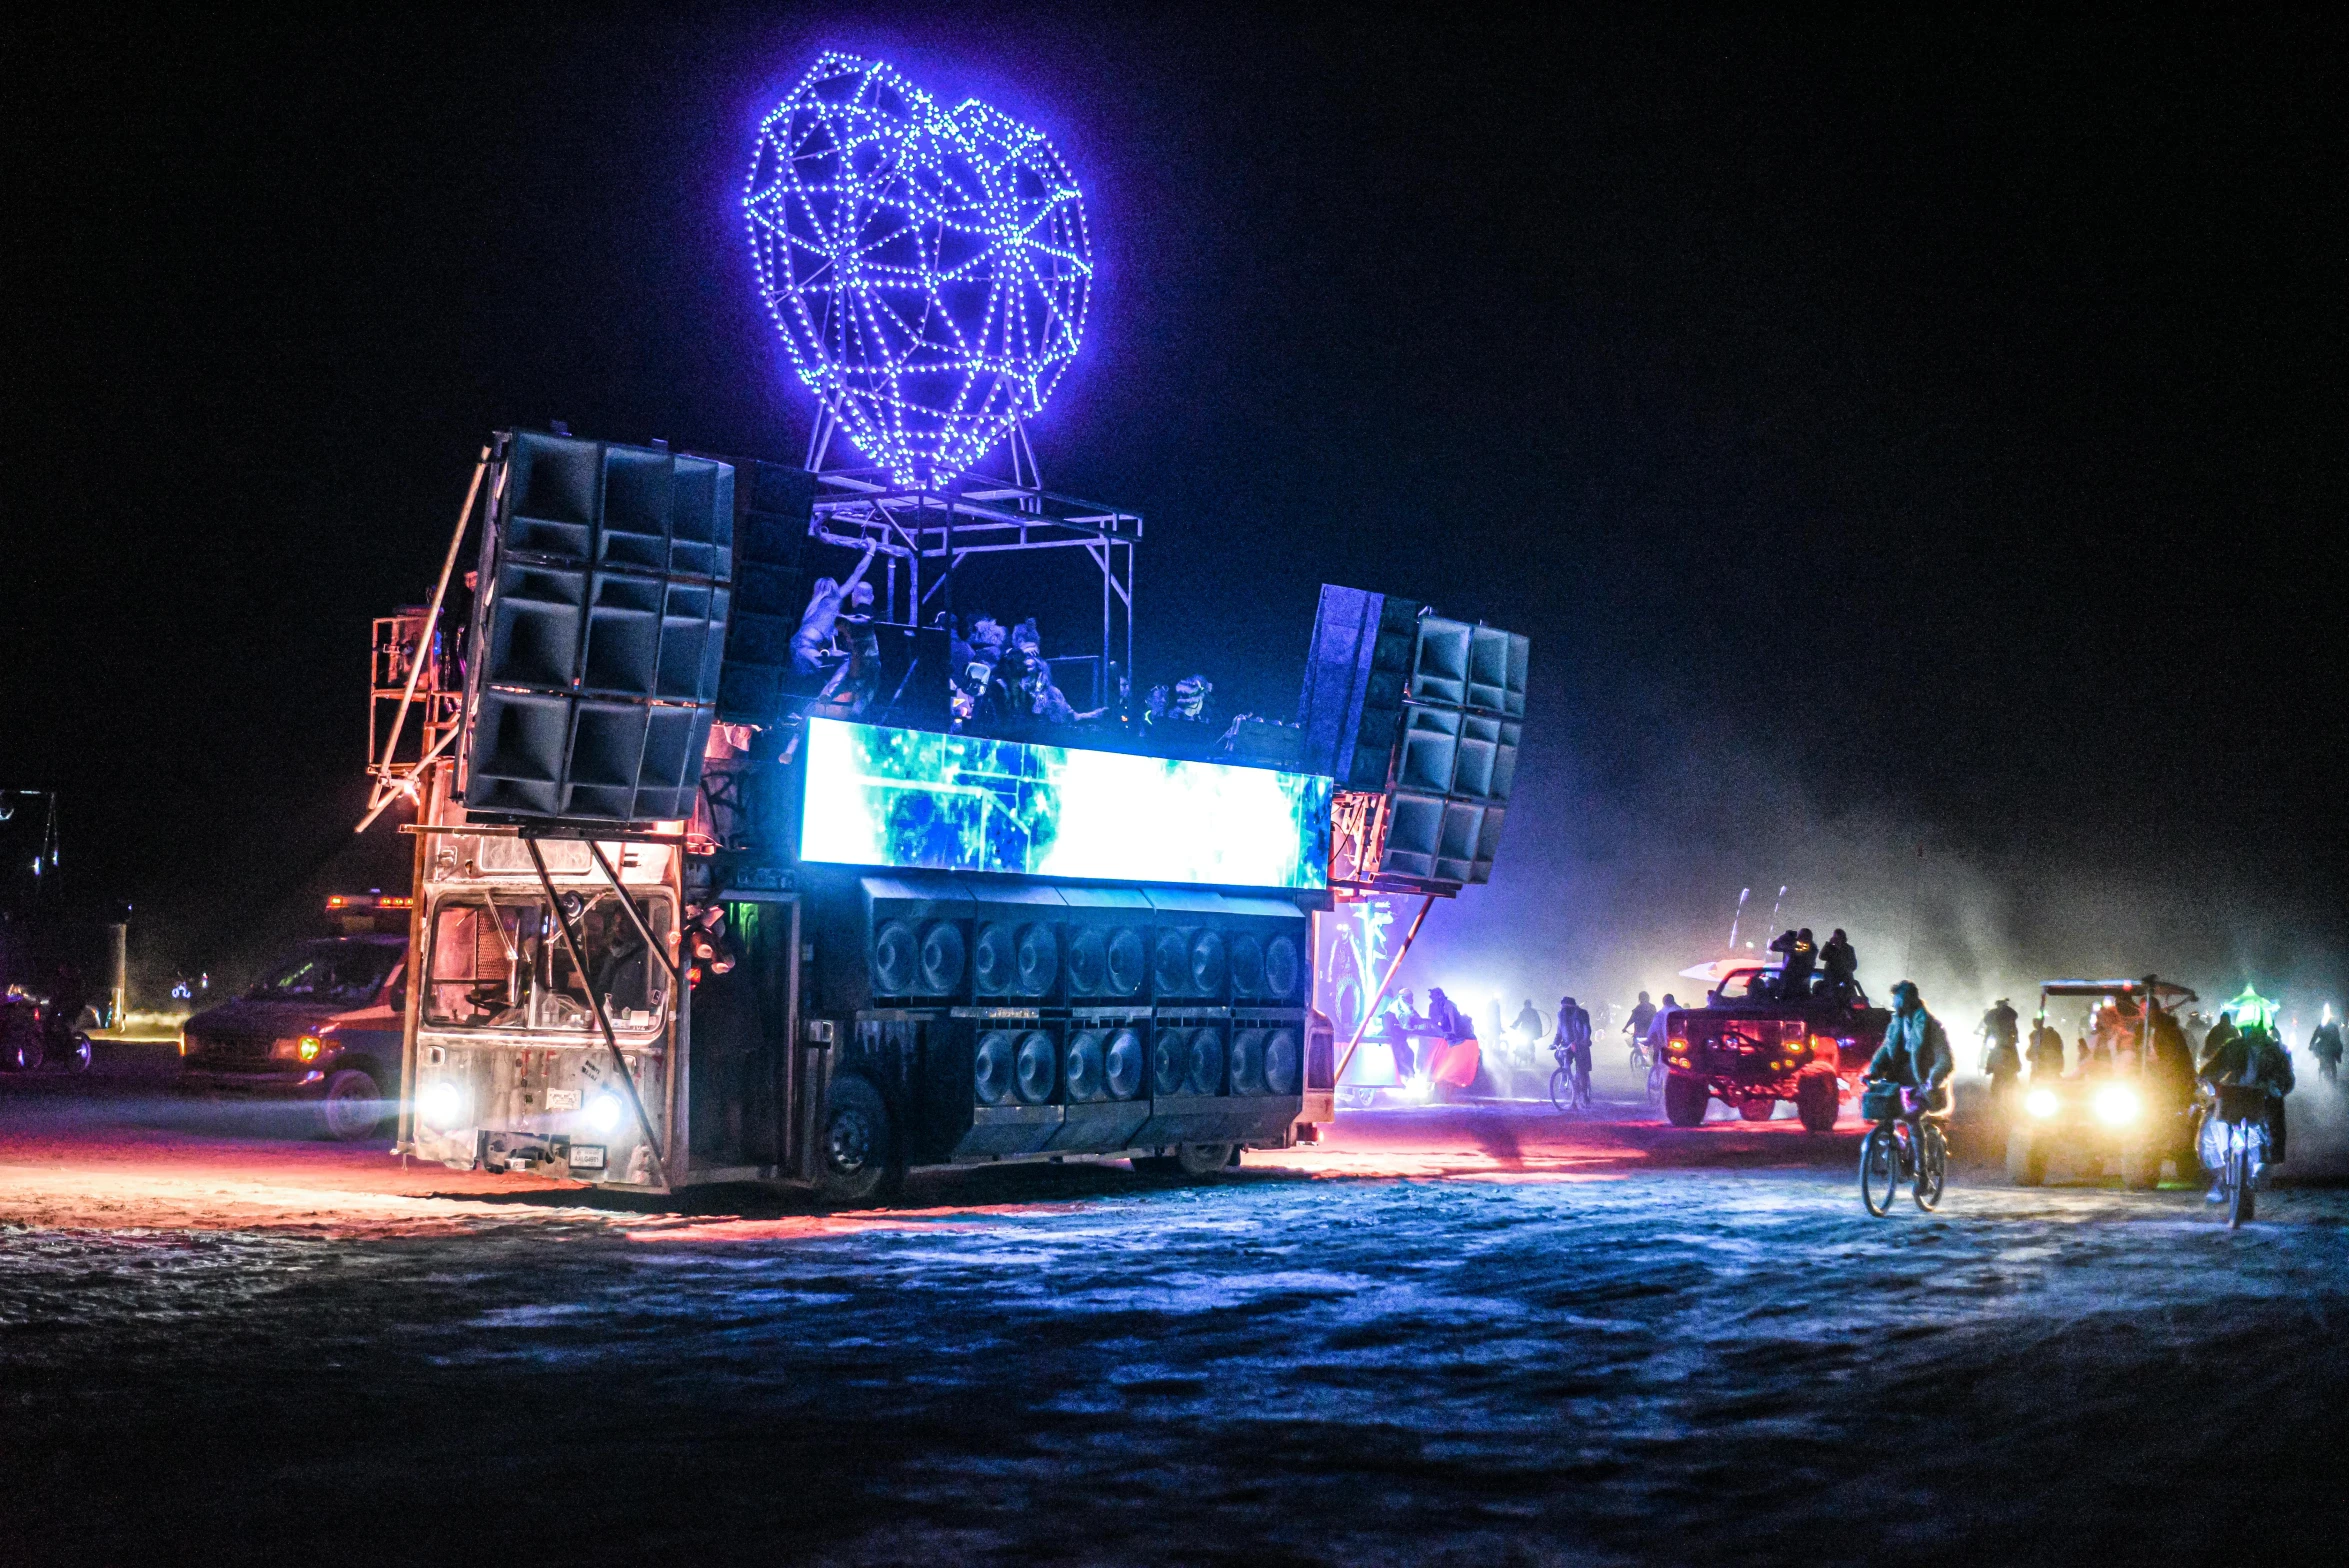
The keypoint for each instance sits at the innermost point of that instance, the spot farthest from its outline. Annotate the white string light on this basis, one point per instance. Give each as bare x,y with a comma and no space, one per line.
928,267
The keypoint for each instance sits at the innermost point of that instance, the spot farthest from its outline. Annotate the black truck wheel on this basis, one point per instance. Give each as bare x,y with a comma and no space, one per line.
2140,1167
352,1107
853,1150
1684,1100
1204,1159
1817,1100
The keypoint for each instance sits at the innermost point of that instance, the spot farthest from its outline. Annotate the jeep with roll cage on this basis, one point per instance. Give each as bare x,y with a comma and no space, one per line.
1751,1045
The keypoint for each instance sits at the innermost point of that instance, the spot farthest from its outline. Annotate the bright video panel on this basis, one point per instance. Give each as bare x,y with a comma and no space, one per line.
915,799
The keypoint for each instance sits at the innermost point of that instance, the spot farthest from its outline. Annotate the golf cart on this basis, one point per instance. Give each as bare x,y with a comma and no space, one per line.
2127,1107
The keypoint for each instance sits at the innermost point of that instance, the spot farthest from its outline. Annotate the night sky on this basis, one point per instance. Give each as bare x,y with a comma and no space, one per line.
1889,436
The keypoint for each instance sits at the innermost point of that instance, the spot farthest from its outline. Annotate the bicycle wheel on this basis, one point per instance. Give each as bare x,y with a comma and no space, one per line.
1879,1171
1932,1168
1581,1091
2240,1204
1562,1089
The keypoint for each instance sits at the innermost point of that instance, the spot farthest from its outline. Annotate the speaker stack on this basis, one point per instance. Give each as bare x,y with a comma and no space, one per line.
599,630
1087,1012
1462,716
1425,710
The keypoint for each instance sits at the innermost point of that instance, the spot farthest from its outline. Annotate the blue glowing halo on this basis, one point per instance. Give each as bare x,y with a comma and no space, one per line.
928,267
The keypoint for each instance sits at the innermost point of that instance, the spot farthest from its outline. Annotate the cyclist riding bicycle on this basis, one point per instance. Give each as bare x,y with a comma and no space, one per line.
2252,1059
1915,1053
1571,1045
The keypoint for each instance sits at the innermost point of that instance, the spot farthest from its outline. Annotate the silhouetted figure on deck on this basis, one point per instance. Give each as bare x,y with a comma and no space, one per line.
1842,968
1794,980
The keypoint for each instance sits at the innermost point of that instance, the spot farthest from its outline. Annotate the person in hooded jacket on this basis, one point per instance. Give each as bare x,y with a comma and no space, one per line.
1915,1053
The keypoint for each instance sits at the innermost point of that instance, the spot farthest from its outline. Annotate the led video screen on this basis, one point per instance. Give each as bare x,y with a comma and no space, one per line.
915,799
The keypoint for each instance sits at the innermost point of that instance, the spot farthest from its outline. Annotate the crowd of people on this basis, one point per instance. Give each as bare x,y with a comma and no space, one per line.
998,681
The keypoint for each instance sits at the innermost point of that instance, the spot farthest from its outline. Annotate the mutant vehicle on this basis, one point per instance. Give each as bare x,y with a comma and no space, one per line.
321,1026
1751,1046
2129,1107
694,906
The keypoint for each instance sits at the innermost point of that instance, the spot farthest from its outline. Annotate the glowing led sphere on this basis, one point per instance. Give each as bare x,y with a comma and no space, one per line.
928,267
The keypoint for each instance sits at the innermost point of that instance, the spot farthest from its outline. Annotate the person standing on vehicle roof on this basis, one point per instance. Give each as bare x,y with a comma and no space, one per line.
1842,968
1915,1053
2047,1050
2000,1059
1794,979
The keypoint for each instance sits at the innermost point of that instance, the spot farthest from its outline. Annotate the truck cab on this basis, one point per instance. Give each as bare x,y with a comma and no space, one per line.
1753,1044
322,1026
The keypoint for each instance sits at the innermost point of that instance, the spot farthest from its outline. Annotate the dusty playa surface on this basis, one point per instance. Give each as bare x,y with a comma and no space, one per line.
1450,1336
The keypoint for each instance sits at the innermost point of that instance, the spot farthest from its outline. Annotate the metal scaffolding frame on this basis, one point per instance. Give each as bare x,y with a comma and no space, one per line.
921,535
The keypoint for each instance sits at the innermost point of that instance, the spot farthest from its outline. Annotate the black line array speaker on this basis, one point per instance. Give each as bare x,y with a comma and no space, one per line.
770,590
1463,710
599,630
1355,677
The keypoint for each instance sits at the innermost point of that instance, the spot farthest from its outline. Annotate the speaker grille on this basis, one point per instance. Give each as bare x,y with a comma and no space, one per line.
606,575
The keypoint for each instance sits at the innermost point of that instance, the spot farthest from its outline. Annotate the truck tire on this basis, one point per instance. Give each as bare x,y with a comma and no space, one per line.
351,1108
2026,1162
2140,1168
1818,1099
1684,1100
1198,1160
1756,1110
854,1147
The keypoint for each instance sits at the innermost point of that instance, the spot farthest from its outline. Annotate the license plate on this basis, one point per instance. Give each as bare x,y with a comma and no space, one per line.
562,1099
587,1156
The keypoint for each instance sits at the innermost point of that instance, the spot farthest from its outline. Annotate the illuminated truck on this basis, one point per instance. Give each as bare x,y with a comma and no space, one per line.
684,914
907,978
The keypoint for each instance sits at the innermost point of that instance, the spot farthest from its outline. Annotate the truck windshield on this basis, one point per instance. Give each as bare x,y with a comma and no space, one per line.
498,962
344,974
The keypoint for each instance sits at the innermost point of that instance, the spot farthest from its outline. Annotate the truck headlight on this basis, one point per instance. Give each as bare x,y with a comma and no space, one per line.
442,1104
603,1112
2117,1105
308,1047
2042,1103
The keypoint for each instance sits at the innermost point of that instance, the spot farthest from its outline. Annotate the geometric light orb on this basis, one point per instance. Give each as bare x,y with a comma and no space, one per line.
928,267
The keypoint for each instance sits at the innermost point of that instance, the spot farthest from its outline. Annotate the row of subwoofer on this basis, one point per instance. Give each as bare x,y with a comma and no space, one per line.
1039,959
1032,1067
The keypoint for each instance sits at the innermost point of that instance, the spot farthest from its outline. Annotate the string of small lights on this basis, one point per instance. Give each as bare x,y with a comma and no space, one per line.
928,268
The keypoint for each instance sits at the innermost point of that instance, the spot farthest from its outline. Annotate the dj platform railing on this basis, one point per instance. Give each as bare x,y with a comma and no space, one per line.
921,535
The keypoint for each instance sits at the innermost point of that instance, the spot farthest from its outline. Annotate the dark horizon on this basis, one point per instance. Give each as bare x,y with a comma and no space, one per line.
1889,435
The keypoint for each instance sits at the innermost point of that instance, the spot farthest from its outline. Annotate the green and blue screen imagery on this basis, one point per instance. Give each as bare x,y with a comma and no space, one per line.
920,800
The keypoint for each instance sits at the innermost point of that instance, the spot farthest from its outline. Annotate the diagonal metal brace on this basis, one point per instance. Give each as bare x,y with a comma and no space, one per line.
602,1020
